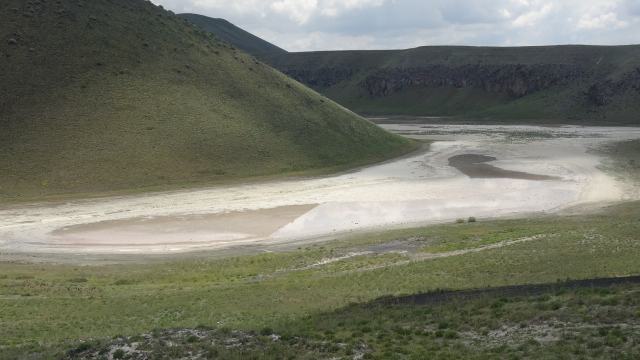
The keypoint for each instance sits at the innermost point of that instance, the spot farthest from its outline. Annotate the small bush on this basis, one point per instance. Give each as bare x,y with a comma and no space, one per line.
84,346
637,314
472,219
497,304
459,221
609,302
192,339
544,297
561,292
555,305
451,334
118,354
266,331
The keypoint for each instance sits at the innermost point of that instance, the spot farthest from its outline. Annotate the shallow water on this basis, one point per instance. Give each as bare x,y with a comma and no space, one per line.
418,189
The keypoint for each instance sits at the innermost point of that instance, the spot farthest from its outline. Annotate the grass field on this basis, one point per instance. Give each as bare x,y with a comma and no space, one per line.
126,96
39,300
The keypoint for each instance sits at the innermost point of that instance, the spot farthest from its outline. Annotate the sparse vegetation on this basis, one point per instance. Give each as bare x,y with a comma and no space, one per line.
518,326
222,292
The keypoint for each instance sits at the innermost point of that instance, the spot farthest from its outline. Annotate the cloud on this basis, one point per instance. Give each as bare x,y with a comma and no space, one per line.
307,25
533,17
609,20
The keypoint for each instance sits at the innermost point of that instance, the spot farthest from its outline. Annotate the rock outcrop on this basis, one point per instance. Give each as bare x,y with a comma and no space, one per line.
519,80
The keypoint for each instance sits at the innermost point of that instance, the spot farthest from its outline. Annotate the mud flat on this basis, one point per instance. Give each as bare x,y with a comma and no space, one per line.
480,171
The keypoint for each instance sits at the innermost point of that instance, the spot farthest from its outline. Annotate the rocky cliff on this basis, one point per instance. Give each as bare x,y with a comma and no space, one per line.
520,80
557,82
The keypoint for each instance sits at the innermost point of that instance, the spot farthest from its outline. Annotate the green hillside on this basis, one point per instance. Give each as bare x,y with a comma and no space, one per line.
121,94
595,84
239,38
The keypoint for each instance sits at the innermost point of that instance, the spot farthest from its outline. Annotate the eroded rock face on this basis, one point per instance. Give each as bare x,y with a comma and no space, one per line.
520,80
605,90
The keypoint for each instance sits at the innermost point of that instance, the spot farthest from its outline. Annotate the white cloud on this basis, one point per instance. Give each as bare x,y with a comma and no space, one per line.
609,21
334,7
532,17
298,25
298,10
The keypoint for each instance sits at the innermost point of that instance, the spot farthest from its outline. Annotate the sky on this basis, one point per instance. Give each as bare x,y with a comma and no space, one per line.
313,25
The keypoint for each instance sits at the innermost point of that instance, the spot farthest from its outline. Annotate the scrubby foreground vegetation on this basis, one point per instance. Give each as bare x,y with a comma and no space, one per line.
53,306
123,95
585,323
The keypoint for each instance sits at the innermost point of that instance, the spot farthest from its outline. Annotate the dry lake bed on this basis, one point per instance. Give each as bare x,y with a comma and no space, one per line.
468,170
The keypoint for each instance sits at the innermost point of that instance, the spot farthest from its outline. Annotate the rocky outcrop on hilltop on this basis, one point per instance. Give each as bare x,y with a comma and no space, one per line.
519,80
605,90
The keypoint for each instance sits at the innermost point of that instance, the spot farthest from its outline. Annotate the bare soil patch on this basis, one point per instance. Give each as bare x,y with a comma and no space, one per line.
473,165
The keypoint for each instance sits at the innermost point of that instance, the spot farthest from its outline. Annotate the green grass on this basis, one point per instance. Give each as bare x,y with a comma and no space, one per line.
139,99
234,35
40,300
549,326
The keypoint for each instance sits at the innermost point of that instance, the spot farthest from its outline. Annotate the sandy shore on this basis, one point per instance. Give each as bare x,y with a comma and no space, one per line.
419,189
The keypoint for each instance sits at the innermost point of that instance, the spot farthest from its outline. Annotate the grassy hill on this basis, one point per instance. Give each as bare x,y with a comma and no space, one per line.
239,38
598,84
121,94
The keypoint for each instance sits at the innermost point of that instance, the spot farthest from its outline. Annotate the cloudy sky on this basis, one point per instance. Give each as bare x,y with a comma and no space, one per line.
309,25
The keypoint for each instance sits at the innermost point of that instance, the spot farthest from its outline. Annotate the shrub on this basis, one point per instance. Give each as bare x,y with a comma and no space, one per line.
266,331
192,339
451,334
637,314
459,221
118,354
136,338
497,304
561,292
84,346
555,305
609,302
472,219
544,297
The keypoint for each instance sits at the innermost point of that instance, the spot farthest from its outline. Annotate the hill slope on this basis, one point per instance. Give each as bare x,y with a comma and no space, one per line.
234,35
576,83
121,94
